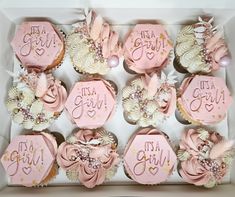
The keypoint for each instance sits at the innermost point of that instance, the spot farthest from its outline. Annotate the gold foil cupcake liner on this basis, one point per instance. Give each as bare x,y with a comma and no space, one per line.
50,177
63,35
185,115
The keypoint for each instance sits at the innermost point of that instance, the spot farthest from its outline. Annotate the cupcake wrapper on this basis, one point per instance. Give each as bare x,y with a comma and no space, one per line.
63,35
185,115
50,177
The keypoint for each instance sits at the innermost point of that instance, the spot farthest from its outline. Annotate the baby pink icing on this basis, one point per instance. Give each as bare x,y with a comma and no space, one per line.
91,103
195,170
206,99
153,86
148,157
55,97
102,34
28,160
147,48
37,44
216,49
90,162
50,90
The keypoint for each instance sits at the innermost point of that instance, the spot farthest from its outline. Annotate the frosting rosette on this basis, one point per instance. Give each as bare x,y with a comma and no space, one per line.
35,100
201,48
89,156
94,48
55,97
205,157
149,99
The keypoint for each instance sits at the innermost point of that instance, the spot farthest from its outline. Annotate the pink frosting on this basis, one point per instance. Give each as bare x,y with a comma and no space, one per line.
147,48
104,38
55,97
205,99
50,90
95,162
37,44
153,86
149,157
198,168
103,35
216,49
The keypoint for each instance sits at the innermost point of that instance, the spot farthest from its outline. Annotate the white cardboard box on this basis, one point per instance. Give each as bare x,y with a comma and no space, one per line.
121,14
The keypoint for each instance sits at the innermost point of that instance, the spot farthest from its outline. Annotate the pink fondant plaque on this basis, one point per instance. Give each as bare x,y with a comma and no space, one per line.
37,44
90,104
148,45
27,159
207,98
150,159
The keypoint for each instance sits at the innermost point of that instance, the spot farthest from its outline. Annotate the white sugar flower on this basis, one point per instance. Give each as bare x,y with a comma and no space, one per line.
134,115
36,107
151,107
28,124
13,93
203,134
71,139
183,155
11,105
127,91
129,104
18,118
28,97
143,122
48,114
159,117
110,173
137,83
41,126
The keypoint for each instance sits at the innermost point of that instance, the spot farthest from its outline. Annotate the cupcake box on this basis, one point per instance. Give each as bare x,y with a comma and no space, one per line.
172,14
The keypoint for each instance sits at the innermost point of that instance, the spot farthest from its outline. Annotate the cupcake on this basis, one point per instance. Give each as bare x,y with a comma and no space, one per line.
205,157
89,156
150,99
38,45
30,160
201,48
148,157
91,102
93,46
35,100
203,100
147,48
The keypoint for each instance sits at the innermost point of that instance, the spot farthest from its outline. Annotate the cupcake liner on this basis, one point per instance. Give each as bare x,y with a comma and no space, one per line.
185,115
63,35
50,177
178,67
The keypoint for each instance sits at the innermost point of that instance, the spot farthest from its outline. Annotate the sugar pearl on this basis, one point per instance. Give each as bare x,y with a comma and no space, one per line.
113,61
225,61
